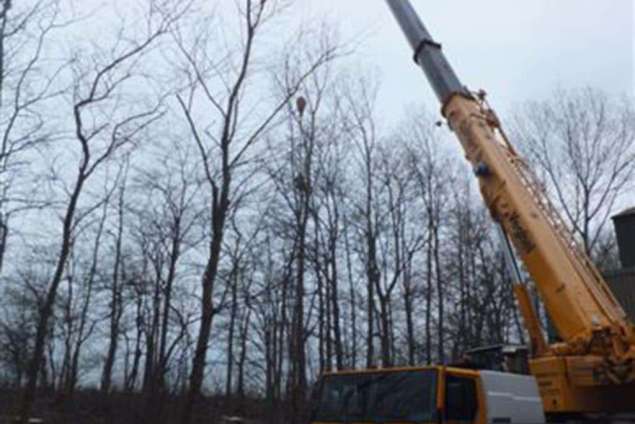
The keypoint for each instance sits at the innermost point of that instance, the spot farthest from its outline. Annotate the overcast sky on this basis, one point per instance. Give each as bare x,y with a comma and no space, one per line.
514,49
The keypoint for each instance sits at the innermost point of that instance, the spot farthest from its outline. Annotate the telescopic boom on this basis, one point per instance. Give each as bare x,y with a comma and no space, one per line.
427,52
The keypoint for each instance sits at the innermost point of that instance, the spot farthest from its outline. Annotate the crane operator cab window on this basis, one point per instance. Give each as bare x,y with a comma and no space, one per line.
382,397
399,396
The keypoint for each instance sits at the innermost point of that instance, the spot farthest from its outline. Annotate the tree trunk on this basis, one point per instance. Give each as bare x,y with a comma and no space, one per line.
428,319
335,307
219,216
410,336
116,299
440,291
242,357
385,330
230,336
131,381
352,301
298,366
46,310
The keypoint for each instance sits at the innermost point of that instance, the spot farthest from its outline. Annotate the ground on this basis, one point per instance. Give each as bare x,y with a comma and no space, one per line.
91,407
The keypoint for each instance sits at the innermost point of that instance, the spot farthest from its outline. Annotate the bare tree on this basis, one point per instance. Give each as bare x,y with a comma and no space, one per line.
399,242
583,145
116,291
99,136
433,173
330,210
232,140
168,217
78,322
362,127
19,311
267,229
26,89
269,305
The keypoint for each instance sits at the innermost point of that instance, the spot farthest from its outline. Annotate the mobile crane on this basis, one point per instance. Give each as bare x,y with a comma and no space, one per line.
590,374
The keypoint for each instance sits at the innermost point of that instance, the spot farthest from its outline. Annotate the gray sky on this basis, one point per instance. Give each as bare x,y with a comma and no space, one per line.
515,49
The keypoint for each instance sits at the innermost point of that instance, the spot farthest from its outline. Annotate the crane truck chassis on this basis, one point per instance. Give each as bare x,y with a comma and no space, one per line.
588,377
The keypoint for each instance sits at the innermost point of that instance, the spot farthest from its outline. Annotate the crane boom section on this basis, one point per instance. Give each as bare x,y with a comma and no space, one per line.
584,311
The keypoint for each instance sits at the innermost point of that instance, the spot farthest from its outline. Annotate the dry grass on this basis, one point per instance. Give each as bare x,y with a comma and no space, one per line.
92,407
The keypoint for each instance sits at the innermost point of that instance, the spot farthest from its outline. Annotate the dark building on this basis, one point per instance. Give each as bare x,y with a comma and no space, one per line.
625,231
622,282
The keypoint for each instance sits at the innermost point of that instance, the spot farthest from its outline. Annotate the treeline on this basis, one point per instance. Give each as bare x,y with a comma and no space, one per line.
196,206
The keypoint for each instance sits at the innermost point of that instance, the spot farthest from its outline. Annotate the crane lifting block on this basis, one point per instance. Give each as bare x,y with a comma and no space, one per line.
577,384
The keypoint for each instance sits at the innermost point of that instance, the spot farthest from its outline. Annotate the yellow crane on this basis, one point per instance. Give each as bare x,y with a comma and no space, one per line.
589,374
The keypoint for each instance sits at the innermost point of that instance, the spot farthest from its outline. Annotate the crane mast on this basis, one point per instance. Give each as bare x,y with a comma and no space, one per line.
595,361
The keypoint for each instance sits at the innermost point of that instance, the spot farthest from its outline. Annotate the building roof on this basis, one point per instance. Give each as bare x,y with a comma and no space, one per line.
625,212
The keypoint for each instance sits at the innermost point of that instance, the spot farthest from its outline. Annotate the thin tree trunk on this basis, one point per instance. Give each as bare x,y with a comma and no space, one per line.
131,382
46,309
335,307
219,216
81,336
411,342
321,312
242,358
230,336
298,380
428,319
352,300
441,305
386,359
116,299
175,253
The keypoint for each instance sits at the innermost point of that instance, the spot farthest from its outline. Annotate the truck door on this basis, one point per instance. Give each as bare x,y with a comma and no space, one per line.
461,400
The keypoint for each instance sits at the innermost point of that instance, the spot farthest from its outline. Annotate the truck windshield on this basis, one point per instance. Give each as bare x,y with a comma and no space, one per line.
403,396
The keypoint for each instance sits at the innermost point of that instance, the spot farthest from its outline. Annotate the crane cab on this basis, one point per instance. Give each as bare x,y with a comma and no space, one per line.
434,394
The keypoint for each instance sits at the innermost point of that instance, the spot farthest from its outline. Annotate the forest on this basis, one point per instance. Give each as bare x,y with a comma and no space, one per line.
199,215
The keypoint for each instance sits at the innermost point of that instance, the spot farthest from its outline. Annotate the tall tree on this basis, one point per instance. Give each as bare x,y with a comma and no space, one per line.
168,220
433,171
582,143
27,90
361,126
224,87
116,289
98,138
